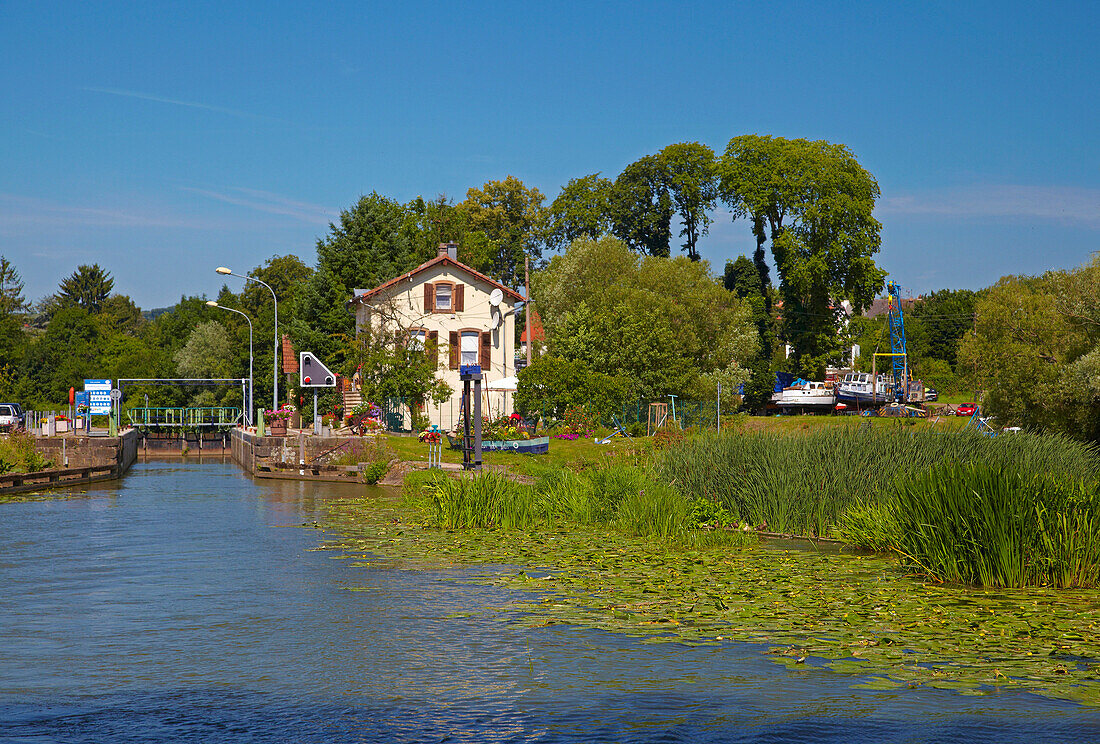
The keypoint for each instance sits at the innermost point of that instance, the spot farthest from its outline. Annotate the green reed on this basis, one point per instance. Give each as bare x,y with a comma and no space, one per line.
625,497
988,525
804,484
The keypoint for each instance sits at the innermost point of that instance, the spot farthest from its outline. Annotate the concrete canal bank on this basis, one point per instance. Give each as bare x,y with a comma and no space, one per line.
78,460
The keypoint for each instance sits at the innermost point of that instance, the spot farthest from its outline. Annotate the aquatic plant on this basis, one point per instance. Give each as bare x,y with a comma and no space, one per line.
805,484
488,499
988,525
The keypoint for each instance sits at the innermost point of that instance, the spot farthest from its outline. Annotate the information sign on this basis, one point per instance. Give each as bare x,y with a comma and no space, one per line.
99,397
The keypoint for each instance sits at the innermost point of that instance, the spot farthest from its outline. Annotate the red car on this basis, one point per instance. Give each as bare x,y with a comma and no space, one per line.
966,409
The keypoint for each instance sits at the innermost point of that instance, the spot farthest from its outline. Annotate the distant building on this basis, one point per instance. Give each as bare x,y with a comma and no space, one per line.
880,305
448,302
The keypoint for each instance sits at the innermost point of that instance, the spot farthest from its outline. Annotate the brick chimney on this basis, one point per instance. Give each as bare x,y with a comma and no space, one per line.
449,249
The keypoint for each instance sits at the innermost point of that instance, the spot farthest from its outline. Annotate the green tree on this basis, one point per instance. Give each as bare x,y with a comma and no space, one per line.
641,207
551,385
64,355
689,171
11,290
581,210
742,278
207,354
942,318
659,322
119,314
12,338
817,202
88,286
1035,351
505,221
370,245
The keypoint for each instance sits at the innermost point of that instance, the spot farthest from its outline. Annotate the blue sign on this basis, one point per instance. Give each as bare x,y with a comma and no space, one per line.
99,397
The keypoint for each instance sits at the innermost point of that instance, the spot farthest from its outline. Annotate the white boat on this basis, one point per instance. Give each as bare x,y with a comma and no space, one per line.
805,395
862,389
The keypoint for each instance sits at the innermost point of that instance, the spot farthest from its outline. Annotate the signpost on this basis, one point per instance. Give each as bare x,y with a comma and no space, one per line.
314,374
99,397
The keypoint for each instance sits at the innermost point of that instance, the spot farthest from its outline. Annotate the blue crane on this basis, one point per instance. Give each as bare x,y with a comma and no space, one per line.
899,356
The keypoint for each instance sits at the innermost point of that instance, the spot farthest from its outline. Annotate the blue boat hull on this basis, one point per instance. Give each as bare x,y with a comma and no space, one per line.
536,446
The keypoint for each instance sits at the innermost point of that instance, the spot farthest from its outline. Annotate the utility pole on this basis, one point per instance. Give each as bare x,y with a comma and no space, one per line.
527,304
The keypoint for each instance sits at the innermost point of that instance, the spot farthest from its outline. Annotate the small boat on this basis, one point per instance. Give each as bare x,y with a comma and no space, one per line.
805,395
533,446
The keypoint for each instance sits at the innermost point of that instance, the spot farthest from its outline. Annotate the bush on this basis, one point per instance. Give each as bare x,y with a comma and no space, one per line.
375,472
552,385
18,454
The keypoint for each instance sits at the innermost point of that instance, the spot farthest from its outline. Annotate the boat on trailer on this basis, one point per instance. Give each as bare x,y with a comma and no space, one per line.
805,396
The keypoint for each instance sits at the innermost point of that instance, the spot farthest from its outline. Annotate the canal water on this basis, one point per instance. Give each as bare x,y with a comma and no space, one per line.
186,603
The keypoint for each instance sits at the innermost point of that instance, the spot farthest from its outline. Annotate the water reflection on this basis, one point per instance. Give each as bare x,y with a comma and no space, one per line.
185,603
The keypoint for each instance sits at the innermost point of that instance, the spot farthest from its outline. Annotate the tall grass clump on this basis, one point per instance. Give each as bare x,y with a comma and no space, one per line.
804,484
485,500
655,511
988,525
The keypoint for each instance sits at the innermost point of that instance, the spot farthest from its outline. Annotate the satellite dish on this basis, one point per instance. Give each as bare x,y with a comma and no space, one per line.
496,297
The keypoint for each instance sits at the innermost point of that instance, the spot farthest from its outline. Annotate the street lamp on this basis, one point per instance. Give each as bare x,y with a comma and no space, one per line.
275,376
250,403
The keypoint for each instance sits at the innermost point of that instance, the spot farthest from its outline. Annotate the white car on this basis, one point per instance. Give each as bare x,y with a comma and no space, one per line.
11,417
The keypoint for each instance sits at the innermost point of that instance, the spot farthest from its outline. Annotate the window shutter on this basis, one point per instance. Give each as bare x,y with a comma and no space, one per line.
433,347
459,301
485,358
429,298
456,350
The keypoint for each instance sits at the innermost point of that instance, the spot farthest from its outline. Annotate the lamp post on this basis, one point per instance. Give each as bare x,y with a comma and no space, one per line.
249,403
275,375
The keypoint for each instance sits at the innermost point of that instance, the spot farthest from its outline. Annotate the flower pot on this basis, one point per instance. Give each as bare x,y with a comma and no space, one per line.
278,428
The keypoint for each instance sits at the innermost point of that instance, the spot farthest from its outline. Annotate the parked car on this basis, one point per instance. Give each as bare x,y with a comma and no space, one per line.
966,409
11,417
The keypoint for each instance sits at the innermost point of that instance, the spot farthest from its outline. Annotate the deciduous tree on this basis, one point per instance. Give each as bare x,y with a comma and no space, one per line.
641,207
581,210
505,221
689,171
817,201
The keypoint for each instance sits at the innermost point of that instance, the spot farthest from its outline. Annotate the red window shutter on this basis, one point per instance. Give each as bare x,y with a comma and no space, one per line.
433,347
456,350
485,358
459,301
429,298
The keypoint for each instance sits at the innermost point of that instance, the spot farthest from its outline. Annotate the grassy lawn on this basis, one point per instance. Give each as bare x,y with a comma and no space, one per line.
582,453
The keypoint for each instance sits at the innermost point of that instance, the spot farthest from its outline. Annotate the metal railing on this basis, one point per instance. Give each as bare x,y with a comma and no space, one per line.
217,417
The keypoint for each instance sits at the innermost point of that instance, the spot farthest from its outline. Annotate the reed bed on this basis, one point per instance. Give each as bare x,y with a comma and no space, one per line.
988,525
625,497
805,484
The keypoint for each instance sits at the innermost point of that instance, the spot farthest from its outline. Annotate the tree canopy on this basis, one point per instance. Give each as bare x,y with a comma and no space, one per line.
88,286
505,221
817,202
660,323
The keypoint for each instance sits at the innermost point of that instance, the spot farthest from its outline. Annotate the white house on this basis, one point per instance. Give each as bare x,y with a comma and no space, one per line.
448,302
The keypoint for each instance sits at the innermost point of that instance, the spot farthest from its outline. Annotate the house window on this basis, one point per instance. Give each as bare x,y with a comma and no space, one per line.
470,341
443,297
417,338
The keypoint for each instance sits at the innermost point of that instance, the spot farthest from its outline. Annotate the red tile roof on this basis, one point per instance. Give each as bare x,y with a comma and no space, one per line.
439,261
537,330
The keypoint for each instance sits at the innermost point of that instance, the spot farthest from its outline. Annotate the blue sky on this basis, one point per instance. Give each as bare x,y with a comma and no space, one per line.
163,139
